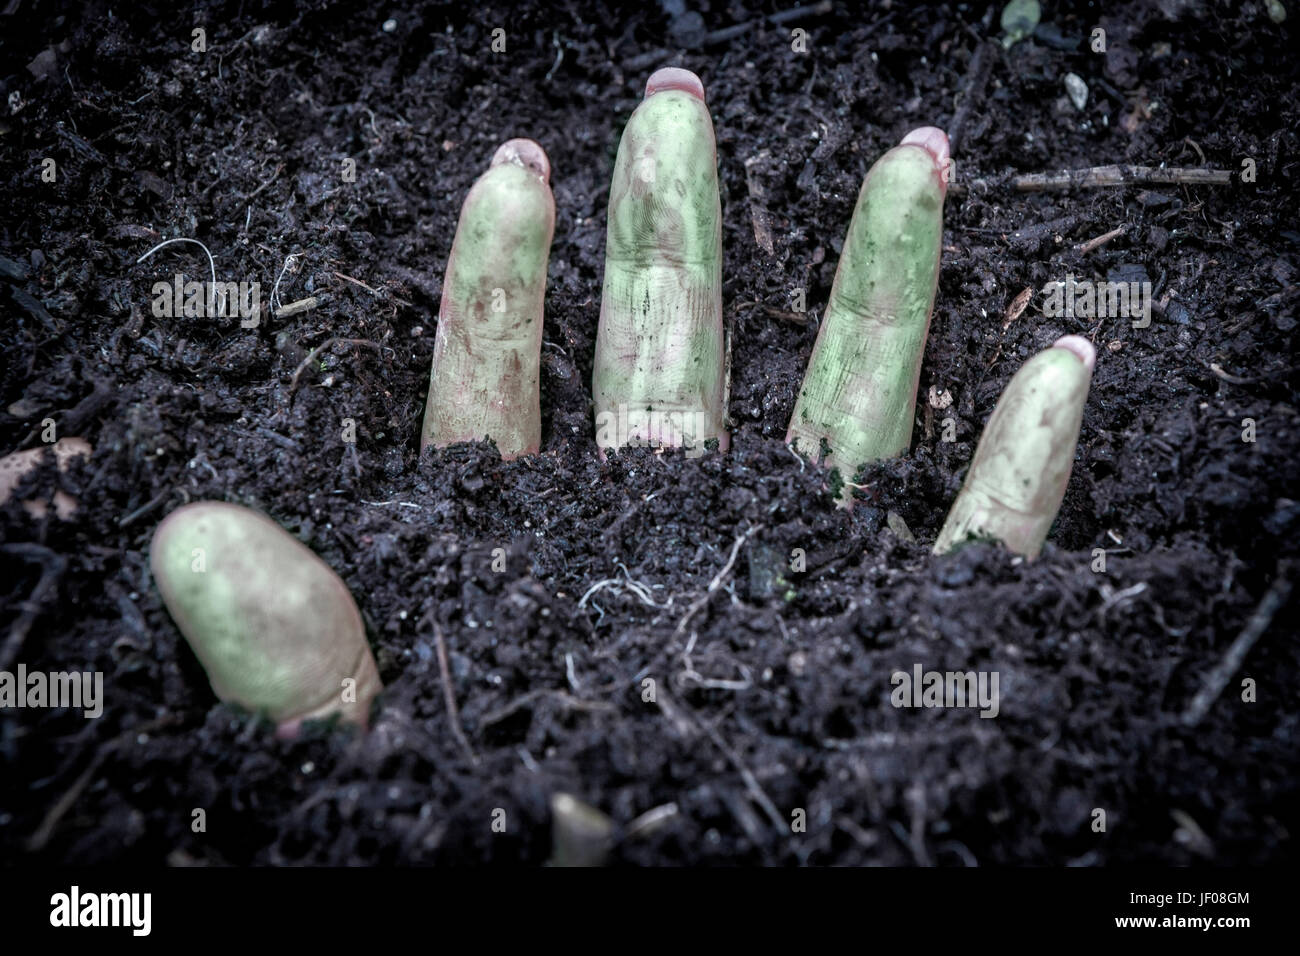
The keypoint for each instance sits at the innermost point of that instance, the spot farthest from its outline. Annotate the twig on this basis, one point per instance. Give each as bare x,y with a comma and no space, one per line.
782,16
1218,370
36,842
284,441
87,408
144,509
370,289
52,565
449,694
311,357
278,169
1119,176
724,34
784,315
1218,678
1096,176
972,90
758,794
1093,244
757,209
650,820
81,144
293,308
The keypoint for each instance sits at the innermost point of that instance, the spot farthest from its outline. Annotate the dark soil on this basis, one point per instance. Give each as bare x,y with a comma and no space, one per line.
774,696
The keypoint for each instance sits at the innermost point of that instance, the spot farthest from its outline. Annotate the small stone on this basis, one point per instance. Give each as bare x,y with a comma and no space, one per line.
899,527
1077,89
1177,312
25,408
44,64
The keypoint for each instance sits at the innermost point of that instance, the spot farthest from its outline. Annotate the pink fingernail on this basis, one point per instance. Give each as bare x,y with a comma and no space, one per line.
935,142
674,78
526,153
1080,347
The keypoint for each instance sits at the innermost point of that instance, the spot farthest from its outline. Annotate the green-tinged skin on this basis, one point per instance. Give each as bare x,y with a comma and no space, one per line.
1019,20
859,392
1022,464
580,834
484,381
275,628
660,366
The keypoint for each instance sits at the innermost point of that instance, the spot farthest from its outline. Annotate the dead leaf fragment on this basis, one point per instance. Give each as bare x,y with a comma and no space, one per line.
940,397
1017,307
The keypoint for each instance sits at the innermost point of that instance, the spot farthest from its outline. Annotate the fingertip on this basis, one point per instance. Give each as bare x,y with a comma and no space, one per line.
935,142
930,138
674,78
1080,347
526,153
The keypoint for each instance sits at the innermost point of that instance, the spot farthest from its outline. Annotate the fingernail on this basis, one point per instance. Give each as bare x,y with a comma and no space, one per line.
1080,347
524,152
674,78
933,140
